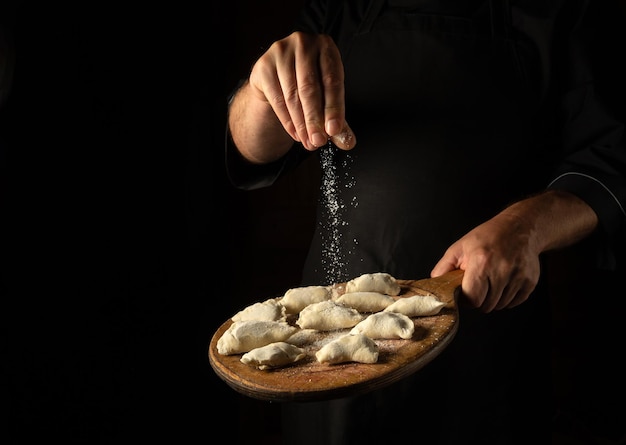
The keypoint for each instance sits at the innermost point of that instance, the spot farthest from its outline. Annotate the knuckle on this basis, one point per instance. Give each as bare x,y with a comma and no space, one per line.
300,127
308,89
331,79
291,96
278,101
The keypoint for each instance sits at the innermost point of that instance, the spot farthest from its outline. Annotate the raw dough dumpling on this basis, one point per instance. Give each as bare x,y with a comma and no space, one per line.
374,282
273,355
244,336
327,316
269,310
386,325
303,337
416,306
349,348
366,301
297,298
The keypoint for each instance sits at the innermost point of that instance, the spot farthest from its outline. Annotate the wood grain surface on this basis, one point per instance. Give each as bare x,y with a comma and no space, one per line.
309,380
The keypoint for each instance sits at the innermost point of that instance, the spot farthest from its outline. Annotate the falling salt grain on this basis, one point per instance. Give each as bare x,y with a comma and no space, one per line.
333,259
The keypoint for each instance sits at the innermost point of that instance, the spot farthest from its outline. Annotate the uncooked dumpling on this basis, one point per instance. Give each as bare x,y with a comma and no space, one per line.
416,306
273,355
386,325
244,336
349,348
303,337
374,282
327,316
297,298
269,310
365,301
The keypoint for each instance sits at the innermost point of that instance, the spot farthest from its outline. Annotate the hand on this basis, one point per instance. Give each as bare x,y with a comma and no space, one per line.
501,268
301,77
501,256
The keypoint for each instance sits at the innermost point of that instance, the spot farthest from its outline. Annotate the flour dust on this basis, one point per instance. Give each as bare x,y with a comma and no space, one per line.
335,249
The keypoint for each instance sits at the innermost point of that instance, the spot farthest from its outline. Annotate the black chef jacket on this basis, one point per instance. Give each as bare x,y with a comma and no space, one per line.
488,100
460,108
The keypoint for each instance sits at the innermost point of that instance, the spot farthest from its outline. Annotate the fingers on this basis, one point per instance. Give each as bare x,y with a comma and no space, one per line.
496,289
513,296
272,85
302,79
320,94
507,298
306,101
444,265
345,139
333,84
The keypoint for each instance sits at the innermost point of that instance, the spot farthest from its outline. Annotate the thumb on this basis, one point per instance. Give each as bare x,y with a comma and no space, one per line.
446,264
345,139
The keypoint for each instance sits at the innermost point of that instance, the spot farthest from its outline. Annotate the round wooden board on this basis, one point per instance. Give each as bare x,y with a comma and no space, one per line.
309,380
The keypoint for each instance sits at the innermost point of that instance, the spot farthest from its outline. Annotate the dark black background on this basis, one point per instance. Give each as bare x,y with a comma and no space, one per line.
124,247
121,242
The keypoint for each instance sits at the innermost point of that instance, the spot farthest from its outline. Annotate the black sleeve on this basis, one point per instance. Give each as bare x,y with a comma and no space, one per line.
594,164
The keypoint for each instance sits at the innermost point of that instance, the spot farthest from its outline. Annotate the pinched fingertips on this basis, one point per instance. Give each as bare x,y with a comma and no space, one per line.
344,139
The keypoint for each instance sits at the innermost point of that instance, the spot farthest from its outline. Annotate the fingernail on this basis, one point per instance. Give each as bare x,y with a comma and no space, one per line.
318,139
333,126
345,140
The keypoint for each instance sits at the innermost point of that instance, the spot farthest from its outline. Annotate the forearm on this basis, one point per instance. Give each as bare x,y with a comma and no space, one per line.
553,219
256,131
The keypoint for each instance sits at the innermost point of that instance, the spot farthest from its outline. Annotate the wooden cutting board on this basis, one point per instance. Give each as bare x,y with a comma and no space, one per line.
309,380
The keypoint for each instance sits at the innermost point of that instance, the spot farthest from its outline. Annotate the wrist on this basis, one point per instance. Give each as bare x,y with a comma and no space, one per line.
553,219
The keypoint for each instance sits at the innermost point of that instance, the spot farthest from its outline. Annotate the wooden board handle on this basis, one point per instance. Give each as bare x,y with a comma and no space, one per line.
448,284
